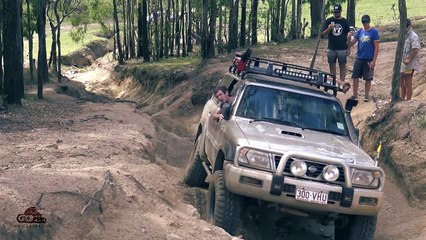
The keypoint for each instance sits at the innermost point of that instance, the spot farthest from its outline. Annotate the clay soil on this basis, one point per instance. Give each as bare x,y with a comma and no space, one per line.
107,163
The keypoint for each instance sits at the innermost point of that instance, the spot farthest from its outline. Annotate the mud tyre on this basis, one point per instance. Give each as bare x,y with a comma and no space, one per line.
223,207
356,228
195,173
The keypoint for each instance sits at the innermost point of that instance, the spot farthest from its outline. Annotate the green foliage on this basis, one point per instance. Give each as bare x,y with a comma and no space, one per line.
79,21
422,122
100,11
33,17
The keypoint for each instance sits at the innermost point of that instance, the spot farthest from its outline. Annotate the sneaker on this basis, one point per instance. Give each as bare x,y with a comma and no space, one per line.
366,99
354,97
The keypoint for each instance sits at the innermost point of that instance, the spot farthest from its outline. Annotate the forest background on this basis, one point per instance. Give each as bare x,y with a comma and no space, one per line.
154,30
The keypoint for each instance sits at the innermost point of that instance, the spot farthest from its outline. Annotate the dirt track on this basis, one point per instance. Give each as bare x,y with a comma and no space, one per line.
73,150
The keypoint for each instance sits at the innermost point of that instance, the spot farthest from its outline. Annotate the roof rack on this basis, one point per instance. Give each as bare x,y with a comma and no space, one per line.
313,77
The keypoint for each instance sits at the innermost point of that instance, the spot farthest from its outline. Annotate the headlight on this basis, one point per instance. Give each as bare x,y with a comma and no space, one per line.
255,158
330,173
364,178
298,168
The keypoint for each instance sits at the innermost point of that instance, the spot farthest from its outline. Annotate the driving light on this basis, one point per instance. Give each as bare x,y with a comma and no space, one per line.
364,178
255,158
298,168
330,173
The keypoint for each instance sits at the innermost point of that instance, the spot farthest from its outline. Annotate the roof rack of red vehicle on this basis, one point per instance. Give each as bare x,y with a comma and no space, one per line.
292,72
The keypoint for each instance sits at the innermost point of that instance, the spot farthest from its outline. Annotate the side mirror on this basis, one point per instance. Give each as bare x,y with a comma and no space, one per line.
226,111
350,103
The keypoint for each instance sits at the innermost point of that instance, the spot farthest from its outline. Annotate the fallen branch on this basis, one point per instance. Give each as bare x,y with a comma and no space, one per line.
107,180
101,116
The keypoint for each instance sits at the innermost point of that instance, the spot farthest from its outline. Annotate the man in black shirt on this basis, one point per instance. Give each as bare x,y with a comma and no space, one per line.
339,34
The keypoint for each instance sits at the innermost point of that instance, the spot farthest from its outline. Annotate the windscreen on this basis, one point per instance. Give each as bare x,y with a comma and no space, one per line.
293,109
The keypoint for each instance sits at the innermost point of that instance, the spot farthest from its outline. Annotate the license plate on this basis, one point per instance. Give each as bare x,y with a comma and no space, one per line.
311,196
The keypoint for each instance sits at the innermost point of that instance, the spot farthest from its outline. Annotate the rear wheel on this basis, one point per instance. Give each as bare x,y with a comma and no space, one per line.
355,227
223,207
195,172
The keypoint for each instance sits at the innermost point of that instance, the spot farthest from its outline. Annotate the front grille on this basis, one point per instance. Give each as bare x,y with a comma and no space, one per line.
314,172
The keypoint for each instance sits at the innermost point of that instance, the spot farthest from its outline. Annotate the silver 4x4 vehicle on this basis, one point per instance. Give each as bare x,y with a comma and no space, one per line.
286,140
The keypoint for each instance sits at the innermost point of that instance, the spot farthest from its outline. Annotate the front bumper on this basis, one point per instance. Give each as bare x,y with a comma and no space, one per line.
261,186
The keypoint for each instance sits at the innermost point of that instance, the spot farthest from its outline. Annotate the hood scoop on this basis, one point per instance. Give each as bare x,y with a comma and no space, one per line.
291,133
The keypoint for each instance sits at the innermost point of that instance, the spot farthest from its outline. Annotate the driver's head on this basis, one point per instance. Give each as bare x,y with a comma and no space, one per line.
222,94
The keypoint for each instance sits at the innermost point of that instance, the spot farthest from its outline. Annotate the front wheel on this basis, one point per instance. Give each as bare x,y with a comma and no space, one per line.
195,173
355,228
223,207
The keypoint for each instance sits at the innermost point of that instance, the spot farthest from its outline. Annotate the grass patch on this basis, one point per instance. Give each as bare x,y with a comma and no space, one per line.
422,122
67,44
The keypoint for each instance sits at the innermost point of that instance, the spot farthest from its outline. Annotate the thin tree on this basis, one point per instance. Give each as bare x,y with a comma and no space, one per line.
140,20
204,29
161,29
293,26
189,26
12,52
125,42
318,36
316,15
254,7
212,33
350,13
1,47
399,50
243,23
233,25
183,28
117,31
145,42
42,70
62,10
167,30
30,33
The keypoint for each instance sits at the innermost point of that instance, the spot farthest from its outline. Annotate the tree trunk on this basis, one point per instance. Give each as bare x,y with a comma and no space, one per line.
58,41
350,13
399,50
13,64
140,19
254,7
183,28
293,26
132,30
177,33
243,23
204,29
125,41
145,41
173,30
42,69
189,26
1,47
212,33
233,25
316,15
156,34
161,29
117,30
268,18
282,18
52,57
321,22
167,37
219,37
30,42
299,19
